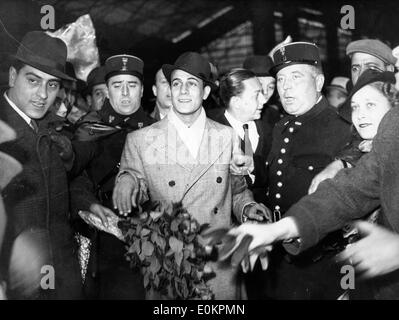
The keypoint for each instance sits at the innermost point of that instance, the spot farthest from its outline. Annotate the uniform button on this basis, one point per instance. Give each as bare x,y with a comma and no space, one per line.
215,210
282,150
172,183
279,173
286,140
219,179
280,161
279,184
277,207
310,168
278,196
291,130
267,163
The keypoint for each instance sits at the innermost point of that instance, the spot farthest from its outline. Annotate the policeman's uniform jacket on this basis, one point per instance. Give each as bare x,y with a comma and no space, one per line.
302,147
107,130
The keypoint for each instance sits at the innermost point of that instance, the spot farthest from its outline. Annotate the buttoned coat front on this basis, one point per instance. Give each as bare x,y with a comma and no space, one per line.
158,157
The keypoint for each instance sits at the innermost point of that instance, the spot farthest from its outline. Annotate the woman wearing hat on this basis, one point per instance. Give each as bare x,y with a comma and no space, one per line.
354,194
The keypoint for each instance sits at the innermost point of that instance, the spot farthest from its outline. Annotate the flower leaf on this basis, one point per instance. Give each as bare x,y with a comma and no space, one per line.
175,244
148,248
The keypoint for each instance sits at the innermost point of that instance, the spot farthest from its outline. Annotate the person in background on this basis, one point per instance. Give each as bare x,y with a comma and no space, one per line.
163,100
96,91
337,92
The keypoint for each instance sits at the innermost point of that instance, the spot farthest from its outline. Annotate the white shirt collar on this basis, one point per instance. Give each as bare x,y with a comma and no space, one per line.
237,126
17,110
191,136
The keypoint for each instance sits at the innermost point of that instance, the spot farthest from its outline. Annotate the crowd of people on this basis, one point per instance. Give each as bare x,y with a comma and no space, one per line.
292,168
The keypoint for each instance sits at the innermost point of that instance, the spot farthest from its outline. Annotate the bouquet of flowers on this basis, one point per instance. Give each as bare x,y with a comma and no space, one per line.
164,241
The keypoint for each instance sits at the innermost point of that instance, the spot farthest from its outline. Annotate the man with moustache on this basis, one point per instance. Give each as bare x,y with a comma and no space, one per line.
109,275
186,158
304,142
161,91
36,200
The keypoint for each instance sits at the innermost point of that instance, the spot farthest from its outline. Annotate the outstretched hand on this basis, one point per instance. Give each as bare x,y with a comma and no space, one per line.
376,254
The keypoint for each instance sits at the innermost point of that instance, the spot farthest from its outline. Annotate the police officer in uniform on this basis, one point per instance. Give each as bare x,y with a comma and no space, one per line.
109,275
304,142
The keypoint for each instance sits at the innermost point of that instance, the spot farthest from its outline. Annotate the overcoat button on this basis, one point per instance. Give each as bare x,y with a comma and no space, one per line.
215,210
310,168
172,183
219,179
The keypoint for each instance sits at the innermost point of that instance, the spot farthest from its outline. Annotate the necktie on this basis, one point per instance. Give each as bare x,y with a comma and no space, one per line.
34,126
247,147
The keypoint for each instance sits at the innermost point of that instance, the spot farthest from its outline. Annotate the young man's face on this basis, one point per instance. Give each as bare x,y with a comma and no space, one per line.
188,92
250,102
161,90
125,92
32,90
298,88
361,61
98,95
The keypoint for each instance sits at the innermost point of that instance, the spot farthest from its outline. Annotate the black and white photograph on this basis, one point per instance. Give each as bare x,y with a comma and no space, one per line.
175,150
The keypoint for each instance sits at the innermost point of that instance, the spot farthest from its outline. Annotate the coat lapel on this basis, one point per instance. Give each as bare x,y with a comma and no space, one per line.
211,148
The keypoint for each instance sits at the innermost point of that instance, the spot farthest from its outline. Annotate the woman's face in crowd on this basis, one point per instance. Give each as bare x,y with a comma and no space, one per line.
369,106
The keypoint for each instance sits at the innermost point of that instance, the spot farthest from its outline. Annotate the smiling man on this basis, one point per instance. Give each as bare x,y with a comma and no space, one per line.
36,200
186,157
304,142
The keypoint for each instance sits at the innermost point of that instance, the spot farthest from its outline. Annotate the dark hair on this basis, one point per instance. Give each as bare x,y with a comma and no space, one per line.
231,84
388,90
17,64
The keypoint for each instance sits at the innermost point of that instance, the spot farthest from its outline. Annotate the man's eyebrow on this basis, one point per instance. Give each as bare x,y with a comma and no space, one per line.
39,77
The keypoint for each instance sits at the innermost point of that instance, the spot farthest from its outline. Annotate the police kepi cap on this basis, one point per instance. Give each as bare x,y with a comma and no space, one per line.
295,53
192,63
45,53
96,76
373,47
124,64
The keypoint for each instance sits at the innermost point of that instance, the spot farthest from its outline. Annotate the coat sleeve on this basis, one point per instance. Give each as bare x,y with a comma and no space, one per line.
131,163
353,193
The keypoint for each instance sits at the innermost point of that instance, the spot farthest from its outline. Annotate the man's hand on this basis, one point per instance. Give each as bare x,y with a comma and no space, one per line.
376,254
63,145
329,172
257,212
125,194
101,212
241,164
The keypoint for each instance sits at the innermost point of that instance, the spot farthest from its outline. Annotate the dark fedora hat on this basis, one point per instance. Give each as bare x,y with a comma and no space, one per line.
45,53
367,77
193,63
258,64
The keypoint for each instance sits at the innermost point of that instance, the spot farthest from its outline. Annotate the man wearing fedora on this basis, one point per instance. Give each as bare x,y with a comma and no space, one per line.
109,275
186,157
304,142
163,100
364,54
36,200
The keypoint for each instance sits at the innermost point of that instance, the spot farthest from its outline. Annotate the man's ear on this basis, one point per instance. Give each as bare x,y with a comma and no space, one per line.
207,91
12,76
142,91
154,90
319,82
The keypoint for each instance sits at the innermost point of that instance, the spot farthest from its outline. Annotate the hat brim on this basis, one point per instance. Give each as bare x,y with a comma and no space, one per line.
169,68
46,69
338,88
273,70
